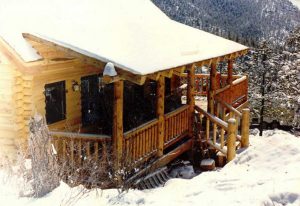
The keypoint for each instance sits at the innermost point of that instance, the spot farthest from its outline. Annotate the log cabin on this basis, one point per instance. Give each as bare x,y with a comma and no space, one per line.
102,78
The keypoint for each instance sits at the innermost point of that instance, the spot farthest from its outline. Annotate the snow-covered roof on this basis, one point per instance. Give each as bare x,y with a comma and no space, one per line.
133,34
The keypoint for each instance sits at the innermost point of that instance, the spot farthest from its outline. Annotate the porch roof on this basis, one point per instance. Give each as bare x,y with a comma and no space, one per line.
134,34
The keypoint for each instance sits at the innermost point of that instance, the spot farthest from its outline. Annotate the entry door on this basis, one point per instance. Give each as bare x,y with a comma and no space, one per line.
90,100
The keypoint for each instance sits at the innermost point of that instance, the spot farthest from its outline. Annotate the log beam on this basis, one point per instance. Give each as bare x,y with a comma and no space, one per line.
160,109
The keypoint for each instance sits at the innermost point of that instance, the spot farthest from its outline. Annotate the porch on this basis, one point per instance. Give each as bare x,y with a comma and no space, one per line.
160,140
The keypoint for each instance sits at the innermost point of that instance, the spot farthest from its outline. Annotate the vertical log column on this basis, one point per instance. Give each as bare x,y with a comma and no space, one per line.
175,83
245,127
160,110
213,86
230,72
231,139
118,124
191,96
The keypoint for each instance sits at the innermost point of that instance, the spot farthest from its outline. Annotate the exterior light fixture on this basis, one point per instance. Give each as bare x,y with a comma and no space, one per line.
109,70
75,86
109,74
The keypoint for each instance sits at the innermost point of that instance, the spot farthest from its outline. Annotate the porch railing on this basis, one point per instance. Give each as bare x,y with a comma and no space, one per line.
141,143
202,82
176,124
219,134
74,149
234,94
225,111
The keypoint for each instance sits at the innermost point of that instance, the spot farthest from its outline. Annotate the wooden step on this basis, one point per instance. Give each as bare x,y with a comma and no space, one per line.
207,164
153,180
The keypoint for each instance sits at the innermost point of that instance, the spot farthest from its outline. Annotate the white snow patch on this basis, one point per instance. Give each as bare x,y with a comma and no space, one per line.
207,162
296,3
267,173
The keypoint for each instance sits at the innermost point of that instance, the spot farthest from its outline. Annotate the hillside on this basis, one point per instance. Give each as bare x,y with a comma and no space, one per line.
240,20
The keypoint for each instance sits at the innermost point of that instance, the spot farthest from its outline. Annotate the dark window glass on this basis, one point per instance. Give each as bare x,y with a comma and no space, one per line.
55,95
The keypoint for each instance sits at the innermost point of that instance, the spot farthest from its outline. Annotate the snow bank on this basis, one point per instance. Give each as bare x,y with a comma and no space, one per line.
267,173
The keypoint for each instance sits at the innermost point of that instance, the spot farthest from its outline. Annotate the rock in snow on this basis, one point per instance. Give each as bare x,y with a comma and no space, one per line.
267,173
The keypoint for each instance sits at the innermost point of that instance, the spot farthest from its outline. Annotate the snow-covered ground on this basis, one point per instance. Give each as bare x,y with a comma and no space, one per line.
267,173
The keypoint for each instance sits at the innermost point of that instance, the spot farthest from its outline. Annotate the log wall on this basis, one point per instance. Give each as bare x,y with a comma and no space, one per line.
22,96
16,108
68,71
8,133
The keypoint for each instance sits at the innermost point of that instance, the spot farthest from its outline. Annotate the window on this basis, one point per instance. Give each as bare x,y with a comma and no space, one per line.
55,95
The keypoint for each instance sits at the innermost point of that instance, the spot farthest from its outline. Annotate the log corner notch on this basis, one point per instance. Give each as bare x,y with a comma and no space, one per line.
191,95
118,126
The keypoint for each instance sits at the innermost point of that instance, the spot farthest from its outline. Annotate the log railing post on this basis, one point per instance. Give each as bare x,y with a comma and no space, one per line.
191,96
160,109
213,87
230,72
231,139
245,127
117,136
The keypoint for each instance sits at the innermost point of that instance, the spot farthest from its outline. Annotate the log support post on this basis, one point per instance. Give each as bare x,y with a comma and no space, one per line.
175,83
160,109
231,139
245,128
118,126
212,88
230,72
191,96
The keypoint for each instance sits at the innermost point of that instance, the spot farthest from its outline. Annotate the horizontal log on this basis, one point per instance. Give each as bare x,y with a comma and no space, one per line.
82,136
223,89
208,76
140,128
217,147
8,121
175,139
6,91
6,111
242,106
177,111
231,108
7,134
239,80
235,82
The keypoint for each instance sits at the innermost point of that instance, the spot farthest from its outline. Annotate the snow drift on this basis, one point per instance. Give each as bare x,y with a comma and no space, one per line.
267,173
